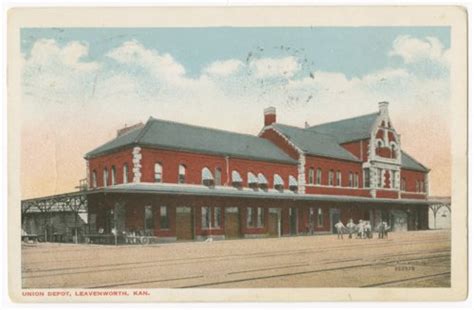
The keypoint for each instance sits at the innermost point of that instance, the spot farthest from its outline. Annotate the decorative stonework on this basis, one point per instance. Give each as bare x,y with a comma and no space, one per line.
88,175
301,174
136,160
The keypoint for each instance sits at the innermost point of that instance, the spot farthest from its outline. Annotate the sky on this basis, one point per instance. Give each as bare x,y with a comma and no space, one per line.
79,85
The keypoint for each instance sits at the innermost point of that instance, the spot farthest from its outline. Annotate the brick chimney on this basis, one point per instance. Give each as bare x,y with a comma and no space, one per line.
383,107
269,116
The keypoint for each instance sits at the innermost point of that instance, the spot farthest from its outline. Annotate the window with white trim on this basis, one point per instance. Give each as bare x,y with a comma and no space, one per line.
351,179
94,179
331,178
318,176
164,218
112,173
158,173
311,175
182,174
338,178
106,177
356,180
125,174
320,217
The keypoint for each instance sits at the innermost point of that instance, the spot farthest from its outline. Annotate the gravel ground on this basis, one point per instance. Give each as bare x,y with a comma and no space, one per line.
410,259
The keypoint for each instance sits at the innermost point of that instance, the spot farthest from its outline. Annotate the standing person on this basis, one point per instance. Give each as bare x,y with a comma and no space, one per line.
380,230
368,229
340,230
385,229
351,227
360,230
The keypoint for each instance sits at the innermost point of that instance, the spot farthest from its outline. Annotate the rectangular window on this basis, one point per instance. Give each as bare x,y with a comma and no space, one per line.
366,177
217,217
338,178
417,187
351,181
250,218
320,217
311,176
94,179
356,180
205,217
182,174
403,184
331,178
112,171
125,174
149,219
164,218
260,217
158,173
318,176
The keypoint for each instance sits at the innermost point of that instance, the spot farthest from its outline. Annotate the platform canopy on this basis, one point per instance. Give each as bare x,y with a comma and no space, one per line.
226,191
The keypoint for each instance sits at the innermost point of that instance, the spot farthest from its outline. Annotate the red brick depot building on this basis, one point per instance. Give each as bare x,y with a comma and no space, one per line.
183,182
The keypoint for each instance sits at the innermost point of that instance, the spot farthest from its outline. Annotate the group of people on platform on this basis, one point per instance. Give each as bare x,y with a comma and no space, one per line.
362,230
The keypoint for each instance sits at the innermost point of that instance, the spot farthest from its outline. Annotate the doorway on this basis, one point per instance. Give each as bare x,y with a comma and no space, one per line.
335,216
184,223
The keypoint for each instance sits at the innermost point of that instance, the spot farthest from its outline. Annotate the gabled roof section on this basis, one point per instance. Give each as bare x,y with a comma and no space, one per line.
314,143
409,162
183,137
347,130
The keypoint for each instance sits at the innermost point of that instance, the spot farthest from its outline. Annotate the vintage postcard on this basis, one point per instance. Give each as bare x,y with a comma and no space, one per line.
237,154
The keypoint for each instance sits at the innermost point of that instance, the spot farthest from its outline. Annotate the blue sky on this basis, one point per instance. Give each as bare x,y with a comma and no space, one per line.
93,81
354,51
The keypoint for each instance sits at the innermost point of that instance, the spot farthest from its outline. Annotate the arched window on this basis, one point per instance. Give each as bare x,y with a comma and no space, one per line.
218,176
379,143
311,175
236,179
158,173
94,179
206,177
318,176
125,174
182,174
112,172
262,181
106,177
292,183
338,178
278,182
331,178
252,180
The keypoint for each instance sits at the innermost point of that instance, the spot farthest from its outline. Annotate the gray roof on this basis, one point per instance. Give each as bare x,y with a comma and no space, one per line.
177,136
409,162
347,130
315,143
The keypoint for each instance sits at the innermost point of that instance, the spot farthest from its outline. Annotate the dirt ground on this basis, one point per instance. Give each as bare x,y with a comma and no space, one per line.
410,259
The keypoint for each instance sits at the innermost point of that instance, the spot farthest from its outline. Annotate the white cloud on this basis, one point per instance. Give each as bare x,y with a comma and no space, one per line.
413,50
224,68
133,53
